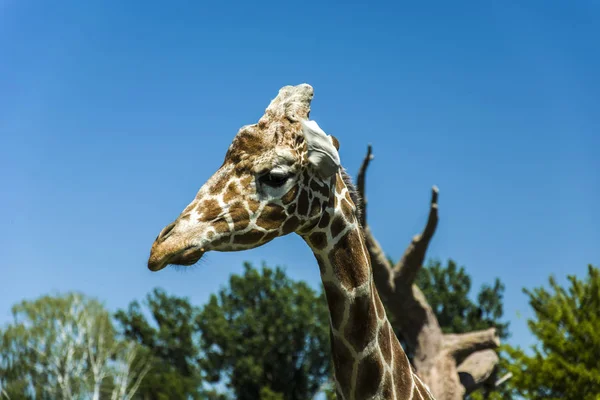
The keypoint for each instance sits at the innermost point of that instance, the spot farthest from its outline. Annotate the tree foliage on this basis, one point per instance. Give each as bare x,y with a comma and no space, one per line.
66,347
565,365
264,336
447,291
172,339
267,335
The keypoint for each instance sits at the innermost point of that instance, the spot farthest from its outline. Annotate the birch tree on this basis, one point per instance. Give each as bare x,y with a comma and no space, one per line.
66,347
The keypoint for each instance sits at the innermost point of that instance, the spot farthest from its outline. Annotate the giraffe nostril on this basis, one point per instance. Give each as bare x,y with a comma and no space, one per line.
165,232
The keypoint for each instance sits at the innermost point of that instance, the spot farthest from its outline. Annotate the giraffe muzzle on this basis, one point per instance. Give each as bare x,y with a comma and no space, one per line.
187,256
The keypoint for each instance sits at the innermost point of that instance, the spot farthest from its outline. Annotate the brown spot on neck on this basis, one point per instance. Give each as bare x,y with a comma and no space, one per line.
337,226
347,210
385,343
325,218
361,328
343,364
403,371
369,376
339,184
318,240
336,301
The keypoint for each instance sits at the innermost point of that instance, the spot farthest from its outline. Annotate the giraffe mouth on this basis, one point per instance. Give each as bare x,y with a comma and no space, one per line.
188,256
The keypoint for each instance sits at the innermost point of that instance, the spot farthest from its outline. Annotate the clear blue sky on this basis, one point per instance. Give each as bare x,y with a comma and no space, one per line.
113,113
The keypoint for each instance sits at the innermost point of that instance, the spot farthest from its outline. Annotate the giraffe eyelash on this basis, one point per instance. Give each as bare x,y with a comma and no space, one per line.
274,179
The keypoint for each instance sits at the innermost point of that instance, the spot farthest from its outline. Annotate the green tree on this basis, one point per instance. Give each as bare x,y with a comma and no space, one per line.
447,291
66,347
267,335
268,394
567,323
172,339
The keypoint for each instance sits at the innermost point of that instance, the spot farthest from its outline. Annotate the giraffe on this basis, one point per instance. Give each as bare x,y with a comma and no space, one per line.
283,175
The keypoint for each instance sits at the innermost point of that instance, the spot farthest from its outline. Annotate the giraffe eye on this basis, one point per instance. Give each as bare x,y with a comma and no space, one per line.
274,179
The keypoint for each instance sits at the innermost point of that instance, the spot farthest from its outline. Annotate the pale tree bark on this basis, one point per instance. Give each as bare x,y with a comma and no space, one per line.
451,364
60,353
129,375
115,359
97,353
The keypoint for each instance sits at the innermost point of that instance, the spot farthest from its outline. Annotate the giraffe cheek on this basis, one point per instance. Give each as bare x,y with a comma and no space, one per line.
253,205
208,210
270,236
315,208
239,216
290,225
220,242
303,203
319,187
252,237
221,226
291,209
272,217
290,195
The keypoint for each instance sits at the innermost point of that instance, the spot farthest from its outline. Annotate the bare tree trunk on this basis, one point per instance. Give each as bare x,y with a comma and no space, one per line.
452,365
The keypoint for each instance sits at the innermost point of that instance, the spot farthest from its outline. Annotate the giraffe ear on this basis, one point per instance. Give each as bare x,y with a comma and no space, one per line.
322,152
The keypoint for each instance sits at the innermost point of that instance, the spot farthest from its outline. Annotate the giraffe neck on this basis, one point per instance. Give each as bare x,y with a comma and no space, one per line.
368,361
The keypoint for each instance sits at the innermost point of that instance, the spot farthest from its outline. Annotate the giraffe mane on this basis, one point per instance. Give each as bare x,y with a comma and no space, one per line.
354,195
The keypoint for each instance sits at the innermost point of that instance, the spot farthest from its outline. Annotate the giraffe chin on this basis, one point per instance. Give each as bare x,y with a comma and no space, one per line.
188,256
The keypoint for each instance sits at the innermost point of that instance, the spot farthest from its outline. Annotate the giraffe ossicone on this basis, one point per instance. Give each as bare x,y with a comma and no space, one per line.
284,175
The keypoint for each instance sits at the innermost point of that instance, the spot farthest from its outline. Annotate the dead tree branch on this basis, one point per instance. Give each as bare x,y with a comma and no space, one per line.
412,260
503,379
464,344
477,369
452,365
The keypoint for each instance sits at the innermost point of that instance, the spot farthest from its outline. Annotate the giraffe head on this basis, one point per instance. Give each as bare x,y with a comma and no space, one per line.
278,177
